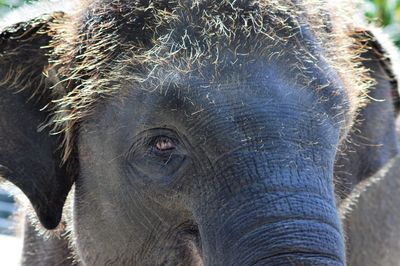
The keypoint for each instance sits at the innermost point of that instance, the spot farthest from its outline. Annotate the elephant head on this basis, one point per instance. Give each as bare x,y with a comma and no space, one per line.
194,132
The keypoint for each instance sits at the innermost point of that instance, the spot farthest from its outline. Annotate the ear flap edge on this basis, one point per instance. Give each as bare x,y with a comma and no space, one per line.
30,158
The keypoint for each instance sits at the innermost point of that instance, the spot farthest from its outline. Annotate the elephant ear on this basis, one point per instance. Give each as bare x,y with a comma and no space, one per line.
30,158
372,141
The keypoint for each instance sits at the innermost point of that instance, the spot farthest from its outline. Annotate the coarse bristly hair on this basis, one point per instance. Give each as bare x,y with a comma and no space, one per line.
99,47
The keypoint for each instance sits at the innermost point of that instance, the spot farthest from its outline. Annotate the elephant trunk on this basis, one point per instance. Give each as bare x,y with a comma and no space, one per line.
285,218
254,234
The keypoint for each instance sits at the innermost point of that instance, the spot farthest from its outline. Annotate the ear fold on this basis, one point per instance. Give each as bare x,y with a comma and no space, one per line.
30,158
372,141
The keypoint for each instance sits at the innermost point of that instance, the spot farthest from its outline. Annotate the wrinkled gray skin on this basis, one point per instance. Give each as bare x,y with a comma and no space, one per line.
249,180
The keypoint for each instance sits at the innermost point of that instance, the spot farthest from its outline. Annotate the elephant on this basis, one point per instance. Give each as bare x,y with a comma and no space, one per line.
200,132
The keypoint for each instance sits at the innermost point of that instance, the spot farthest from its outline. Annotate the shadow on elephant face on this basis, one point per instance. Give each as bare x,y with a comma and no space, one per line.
219,154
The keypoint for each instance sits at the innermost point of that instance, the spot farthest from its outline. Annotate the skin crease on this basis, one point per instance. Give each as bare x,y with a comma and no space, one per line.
247,177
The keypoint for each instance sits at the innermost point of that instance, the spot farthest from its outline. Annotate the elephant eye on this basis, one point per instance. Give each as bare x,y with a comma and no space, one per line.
157,154
163,143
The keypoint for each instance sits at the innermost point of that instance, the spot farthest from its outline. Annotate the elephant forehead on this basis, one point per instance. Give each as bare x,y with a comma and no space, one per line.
209,37
138,42
148,44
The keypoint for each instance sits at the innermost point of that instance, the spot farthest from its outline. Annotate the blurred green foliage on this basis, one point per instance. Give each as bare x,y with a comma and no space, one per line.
384,13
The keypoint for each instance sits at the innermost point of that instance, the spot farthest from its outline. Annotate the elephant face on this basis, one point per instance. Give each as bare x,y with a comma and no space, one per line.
242,168
188,144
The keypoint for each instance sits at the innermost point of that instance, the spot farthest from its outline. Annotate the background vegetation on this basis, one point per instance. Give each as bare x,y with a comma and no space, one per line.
384,13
